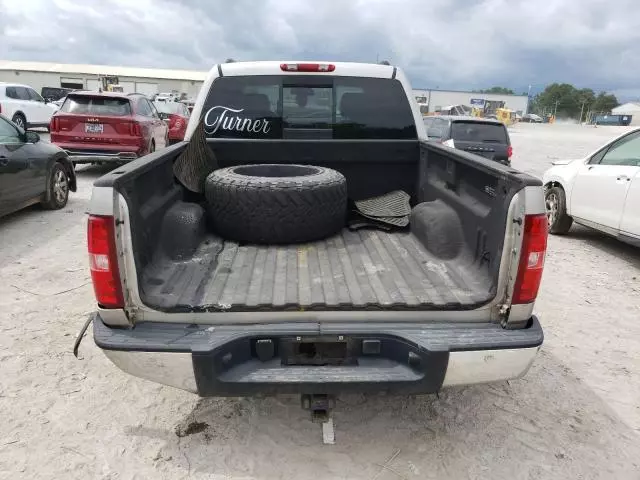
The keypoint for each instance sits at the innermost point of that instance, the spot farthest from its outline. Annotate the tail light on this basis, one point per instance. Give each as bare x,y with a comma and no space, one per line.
135,129
103,261
54,125
307,67
175,121
534,247
509,151
0,108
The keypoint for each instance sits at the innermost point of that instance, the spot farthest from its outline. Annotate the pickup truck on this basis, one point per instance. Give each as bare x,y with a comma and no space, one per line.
447,300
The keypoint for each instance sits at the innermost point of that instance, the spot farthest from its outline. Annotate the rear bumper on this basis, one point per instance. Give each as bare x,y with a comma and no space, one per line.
79,156
412,359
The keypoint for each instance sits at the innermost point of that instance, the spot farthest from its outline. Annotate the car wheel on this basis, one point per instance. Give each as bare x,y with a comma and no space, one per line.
20,120
57,188
556,206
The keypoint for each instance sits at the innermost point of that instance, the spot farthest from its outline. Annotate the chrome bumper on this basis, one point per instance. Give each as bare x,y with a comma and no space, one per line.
87,157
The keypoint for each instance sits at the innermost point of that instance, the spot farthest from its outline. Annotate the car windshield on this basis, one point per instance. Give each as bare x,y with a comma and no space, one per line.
479,132
89,105
169,107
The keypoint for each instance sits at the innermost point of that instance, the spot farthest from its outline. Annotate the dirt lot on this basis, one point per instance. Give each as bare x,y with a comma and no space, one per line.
575,415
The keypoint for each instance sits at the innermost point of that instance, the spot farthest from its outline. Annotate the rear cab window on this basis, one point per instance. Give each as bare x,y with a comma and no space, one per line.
292,106
479,132
96,105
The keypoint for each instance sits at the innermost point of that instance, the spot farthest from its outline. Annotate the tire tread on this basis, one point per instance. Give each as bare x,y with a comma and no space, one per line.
276,210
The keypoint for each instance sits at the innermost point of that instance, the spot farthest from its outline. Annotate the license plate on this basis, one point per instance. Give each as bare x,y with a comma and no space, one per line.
93,128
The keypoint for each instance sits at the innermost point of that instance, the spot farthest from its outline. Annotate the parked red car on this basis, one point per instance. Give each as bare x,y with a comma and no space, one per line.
107,127
177,114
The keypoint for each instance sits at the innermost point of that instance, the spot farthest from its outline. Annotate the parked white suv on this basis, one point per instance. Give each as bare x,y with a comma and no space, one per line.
24,106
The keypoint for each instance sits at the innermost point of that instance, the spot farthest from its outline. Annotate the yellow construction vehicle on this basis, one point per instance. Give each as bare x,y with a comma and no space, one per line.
110,84
506,115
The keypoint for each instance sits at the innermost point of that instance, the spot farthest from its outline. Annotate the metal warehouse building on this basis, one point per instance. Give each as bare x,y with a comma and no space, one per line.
143,80
434,100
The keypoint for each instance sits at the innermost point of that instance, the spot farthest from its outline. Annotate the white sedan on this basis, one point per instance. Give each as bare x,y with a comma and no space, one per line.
601,191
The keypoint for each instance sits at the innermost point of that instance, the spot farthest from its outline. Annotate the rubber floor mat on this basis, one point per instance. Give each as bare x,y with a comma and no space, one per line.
392,204
391,209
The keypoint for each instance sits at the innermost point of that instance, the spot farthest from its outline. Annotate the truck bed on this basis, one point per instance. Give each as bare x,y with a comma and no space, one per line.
351,270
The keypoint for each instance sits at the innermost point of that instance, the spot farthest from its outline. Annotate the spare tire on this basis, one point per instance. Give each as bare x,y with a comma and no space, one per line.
276,203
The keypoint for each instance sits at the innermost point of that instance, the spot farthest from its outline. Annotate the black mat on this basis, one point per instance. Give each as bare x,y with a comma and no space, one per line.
384,212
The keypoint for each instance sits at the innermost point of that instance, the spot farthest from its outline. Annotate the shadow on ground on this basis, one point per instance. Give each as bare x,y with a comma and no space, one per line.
606,243
93,172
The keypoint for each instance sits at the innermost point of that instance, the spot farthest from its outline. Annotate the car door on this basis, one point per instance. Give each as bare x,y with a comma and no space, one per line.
43,111
15,177
161,129
28,106
601,185
630,224
150,126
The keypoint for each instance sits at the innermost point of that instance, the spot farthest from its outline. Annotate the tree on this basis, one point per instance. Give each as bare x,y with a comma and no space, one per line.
565,100
604,103
586,98
559,98
502,90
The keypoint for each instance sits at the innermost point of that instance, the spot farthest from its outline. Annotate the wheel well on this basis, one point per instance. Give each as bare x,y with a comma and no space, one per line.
68,168
553,184
19,112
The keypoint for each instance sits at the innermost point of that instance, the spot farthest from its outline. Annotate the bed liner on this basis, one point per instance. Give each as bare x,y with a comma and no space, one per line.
349,271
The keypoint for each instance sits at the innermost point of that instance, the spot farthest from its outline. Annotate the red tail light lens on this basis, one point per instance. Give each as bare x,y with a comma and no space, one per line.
534,247
54,125
136,131
307,67
175,121
103,262
509,151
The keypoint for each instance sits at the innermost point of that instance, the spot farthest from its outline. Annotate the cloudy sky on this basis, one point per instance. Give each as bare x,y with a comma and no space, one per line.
455,44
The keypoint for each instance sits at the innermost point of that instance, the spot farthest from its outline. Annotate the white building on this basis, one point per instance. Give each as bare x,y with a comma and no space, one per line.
434,100
143,80
631,108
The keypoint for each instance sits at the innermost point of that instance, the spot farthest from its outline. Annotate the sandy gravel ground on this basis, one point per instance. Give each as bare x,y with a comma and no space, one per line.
575,415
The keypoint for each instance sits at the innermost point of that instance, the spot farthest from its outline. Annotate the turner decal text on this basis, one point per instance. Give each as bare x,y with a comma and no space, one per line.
230,119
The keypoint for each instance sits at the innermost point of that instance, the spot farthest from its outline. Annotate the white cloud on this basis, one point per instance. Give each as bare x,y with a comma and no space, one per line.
446,43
